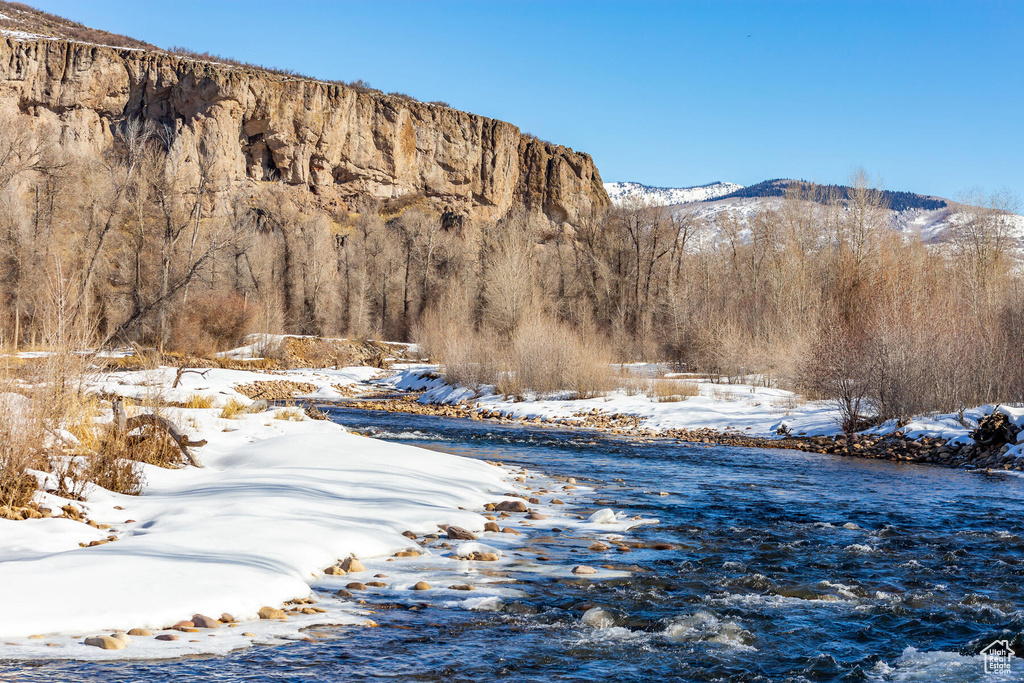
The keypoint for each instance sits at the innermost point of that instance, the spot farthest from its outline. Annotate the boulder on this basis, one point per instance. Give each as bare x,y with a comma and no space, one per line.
352,565
268,612
510,506
457,533
203,621
106,642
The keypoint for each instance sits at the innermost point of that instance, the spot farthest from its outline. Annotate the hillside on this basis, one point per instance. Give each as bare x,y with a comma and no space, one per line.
663,196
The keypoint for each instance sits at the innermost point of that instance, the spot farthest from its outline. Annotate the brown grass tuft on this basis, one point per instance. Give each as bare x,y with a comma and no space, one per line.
232,410
671,390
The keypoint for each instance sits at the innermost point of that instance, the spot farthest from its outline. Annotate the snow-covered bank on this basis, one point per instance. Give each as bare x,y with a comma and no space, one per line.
741,409
276,502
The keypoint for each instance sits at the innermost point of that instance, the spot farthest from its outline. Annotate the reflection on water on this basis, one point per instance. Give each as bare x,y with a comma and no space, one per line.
784,567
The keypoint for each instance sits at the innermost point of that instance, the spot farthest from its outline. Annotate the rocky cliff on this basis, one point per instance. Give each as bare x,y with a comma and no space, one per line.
338,141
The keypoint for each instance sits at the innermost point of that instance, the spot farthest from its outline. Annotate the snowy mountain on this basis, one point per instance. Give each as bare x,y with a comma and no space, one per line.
664,196
927,216
929,225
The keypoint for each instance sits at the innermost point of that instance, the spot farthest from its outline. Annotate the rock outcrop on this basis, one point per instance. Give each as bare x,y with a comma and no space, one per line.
337,141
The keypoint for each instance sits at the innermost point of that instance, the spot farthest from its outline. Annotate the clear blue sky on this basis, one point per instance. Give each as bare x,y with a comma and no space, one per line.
927,96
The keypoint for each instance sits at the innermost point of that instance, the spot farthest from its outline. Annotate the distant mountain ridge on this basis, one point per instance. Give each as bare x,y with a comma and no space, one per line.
927,216
777,187
897,201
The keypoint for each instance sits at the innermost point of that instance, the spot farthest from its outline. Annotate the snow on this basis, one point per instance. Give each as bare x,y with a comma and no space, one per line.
275,503
745,409
619,193
22,35
928,225
468,548
752,410
603,516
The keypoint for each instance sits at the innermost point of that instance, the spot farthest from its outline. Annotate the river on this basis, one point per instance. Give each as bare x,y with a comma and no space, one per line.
785,566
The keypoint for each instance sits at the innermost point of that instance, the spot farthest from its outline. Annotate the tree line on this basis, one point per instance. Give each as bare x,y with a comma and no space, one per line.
147,244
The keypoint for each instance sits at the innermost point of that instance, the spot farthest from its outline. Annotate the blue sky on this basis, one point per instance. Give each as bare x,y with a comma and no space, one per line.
926,96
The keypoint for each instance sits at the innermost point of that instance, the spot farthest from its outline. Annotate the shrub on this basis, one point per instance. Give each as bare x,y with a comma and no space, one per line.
20,437
109,469
544,356
211,322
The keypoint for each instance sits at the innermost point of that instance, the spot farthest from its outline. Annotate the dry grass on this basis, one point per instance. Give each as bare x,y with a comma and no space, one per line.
232,410
112,469
290,414
198,402
671,390
20,438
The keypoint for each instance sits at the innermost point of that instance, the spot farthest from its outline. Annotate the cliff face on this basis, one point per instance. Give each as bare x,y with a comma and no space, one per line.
336,141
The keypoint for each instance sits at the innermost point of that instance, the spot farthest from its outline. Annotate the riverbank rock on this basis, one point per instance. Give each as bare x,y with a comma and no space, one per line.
583,569
510,506
421,586
335,571
598,617
140,632
106,643
352,565
492,526
457,533
268,612
203,621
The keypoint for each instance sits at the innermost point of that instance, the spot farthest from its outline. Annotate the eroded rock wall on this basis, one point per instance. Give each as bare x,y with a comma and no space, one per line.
335,141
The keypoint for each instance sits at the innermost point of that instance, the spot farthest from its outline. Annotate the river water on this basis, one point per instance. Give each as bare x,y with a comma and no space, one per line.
786,567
